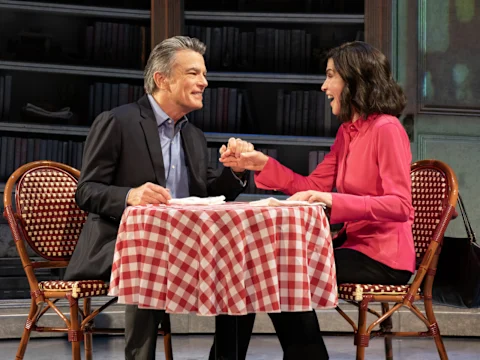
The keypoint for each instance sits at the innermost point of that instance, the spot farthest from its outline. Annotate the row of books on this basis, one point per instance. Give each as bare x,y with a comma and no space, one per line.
16,151
224,110
265,49
303,113
106,96
300,113
115,44
5,96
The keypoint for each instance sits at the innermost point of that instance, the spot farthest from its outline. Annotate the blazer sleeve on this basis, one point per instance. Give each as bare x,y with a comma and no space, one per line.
96,192
223,182
395,202
278,177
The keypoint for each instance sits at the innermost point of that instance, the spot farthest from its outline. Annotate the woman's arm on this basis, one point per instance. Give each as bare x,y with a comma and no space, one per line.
276,176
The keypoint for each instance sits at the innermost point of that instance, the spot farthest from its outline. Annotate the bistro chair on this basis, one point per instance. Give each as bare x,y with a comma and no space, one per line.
434,196
47,218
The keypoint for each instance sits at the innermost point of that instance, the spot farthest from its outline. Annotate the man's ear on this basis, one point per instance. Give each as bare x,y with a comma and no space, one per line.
161,81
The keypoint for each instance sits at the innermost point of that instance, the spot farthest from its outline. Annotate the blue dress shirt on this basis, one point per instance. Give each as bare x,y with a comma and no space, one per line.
176,173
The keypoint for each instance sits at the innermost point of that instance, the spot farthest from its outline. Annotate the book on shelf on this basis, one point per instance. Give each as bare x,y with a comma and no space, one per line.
5,96
224,110
2,90
117,44
105,96
315,157
303,113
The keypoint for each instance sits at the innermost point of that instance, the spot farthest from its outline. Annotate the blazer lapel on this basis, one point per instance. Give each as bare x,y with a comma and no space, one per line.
150,129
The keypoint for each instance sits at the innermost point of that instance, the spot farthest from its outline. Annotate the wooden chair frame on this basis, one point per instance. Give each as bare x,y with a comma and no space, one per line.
419,290
79,326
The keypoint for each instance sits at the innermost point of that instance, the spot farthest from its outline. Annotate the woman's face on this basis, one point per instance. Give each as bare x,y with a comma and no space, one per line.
333,87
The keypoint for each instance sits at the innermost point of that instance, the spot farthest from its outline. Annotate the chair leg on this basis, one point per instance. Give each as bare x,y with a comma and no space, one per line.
435,330
87,335
74,331
27,331
362,338
442,352
167,337
386,326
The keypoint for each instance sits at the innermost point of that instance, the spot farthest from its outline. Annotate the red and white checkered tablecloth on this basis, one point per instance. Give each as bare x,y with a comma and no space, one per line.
224,259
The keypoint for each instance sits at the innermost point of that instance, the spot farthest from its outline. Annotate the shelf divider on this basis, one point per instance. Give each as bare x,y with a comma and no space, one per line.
256,17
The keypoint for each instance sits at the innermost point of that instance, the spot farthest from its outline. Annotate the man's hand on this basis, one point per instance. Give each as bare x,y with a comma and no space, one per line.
148,193
253,160
313,196
234,148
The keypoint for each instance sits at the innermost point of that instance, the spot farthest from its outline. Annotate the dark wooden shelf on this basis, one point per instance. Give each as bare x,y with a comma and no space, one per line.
77,10
211,136
44,129
265,77
257,17
138,74
71,69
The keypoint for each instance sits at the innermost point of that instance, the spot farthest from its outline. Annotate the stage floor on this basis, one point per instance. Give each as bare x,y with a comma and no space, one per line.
262,347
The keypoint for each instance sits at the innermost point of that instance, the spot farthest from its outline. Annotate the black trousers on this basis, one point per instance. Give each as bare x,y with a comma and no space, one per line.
298,333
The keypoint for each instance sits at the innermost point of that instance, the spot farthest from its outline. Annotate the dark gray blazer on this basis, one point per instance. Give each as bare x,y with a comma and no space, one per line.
123,151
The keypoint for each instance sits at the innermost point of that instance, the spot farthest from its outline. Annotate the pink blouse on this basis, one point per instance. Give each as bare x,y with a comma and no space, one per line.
369,163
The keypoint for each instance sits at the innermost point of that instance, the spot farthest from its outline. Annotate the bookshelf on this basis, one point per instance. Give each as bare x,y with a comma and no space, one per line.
74,79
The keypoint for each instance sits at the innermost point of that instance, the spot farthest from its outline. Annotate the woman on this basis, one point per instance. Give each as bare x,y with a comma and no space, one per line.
369,165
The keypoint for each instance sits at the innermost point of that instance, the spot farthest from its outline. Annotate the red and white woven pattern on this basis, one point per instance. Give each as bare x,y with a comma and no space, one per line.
224,259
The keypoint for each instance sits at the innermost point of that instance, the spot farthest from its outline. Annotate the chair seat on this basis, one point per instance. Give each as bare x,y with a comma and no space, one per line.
79,289
356,292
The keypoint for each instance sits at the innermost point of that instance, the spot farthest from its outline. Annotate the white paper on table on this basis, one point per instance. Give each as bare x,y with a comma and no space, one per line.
275,202
194,200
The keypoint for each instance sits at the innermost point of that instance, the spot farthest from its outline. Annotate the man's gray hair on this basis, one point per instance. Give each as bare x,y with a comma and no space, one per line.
163,55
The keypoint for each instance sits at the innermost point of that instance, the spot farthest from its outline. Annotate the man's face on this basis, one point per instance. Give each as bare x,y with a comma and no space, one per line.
187,81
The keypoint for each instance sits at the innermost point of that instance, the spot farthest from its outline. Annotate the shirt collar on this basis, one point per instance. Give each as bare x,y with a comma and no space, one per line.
361,125
161,116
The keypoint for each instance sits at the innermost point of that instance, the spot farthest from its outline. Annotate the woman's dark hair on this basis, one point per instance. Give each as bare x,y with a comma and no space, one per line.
369,85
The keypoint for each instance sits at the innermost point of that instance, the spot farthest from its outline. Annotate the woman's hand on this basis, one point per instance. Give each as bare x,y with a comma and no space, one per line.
313,196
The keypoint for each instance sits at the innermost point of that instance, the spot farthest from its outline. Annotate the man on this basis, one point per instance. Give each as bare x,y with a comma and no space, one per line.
147,153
